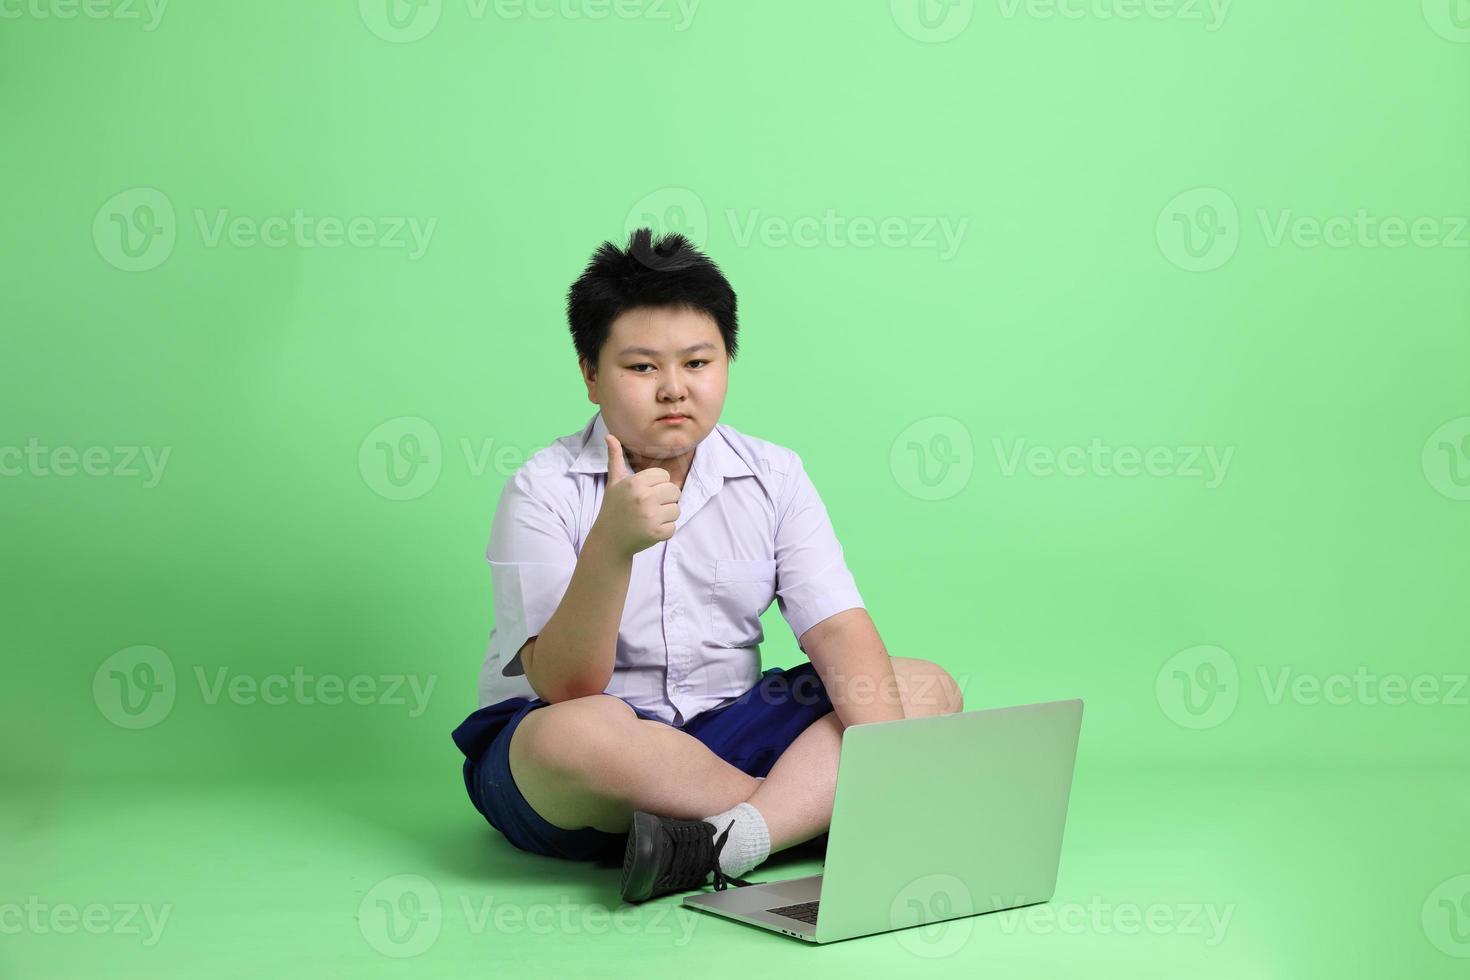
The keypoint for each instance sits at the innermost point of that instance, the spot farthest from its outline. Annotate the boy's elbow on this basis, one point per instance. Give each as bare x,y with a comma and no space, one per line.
567,690
558,689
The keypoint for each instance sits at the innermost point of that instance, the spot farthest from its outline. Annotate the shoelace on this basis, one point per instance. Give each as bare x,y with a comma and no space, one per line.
688,868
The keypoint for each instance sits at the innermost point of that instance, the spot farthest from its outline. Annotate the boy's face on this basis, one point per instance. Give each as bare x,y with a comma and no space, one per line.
682,368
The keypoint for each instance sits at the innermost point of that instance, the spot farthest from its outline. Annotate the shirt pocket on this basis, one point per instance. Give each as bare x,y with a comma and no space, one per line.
743,589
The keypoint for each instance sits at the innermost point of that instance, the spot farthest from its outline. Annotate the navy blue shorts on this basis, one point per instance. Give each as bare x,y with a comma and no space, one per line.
750,733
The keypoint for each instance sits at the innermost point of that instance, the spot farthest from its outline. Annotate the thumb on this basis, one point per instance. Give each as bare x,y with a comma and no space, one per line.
617,467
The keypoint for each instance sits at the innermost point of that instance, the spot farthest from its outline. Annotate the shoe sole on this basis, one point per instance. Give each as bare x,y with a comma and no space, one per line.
640,864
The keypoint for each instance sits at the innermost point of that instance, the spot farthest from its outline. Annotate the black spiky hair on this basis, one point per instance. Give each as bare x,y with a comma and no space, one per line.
669,272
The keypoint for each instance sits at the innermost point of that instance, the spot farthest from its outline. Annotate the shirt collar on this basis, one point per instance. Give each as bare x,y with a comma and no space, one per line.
714,458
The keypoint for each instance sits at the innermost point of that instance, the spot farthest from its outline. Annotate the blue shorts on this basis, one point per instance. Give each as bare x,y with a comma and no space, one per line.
750,733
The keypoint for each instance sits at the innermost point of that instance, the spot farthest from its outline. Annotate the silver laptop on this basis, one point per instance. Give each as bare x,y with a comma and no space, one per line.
934,819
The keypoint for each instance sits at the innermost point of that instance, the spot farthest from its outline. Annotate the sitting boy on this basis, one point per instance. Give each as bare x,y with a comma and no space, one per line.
623,706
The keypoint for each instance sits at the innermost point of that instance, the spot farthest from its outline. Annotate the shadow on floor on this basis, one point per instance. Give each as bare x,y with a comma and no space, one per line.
448,838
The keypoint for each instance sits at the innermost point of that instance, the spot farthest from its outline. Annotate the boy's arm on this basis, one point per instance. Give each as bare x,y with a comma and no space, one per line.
574,653
855,668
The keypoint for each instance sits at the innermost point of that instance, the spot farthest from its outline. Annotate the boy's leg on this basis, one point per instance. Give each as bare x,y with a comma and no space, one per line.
796,797
590,762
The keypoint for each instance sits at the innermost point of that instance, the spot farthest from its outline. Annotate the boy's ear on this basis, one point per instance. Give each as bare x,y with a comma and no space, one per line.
589,378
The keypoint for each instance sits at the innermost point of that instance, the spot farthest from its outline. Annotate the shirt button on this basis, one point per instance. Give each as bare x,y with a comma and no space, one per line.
673,614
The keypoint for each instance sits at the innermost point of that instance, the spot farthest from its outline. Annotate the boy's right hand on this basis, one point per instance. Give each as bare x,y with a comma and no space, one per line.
638,510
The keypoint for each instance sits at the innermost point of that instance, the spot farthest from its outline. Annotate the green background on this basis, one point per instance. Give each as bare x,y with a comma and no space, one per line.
1071,148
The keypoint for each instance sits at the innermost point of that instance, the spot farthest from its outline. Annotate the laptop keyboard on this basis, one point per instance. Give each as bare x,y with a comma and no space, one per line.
801,912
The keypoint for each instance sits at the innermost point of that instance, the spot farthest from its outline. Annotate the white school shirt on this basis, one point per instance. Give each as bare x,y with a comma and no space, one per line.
751,527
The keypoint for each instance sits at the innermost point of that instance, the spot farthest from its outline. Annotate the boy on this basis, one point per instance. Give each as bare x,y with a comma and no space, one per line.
622,702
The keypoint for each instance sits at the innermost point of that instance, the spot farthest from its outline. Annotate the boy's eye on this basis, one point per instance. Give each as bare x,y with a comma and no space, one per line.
635,367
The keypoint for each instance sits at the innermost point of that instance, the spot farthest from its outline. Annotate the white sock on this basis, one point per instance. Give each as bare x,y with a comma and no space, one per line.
749,841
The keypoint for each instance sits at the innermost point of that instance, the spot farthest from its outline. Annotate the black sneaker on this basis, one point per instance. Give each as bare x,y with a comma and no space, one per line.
667,855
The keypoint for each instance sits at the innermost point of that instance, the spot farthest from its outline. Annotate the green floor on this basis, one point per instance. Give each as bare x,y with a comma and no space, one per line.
1165,873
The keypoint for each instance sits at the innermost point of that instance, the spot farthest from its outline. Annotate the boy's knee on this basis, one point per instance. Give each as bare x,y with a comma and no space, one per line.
927,688
569,738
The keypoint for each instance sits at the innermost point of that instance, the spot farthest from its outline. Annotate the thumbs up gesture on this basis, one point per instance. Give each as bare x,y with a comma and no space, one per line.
638,510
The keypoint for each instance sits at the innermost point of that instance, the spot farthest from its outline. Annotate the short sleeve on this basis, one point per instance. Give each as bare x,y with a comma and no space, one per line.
812,578
532,557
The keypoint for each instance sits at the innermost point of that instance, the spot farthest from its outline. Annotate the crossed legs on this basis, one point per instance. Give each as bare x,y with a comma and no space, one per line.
590,762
